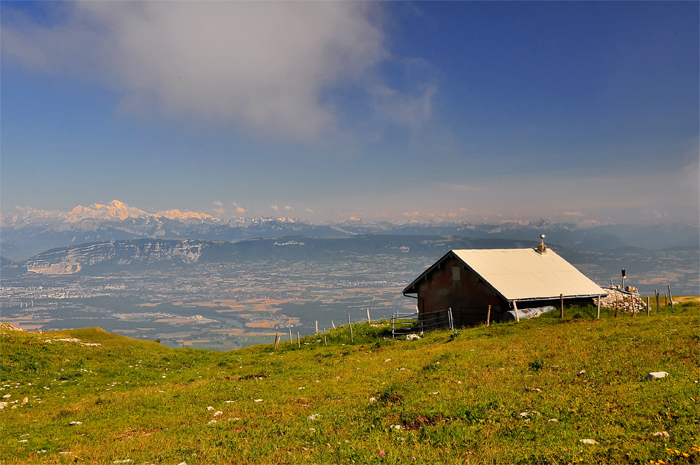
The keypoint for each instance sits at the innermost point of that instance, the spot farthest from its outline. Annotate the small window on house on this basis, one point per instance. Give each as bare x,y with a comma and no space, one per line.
455,273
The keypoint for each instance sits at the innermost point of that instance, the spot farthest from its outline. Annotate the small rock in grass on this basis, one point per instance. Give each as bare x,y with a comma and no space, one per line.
211,422
217,413
76,423
553,420
582,372
228,401
412,337
656,375
589,441
387,360
182,463
257,400
372,400
25,400
313,417
313,430
662,434
7,396
210,409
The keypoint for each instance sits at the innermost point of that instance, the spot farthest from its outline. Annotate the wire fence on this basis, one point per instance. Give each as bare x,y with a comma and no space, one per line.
403,324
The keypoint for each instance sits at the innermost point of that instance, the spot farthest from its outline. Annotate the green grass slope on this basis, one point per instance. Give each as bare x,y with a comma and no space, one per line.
510,393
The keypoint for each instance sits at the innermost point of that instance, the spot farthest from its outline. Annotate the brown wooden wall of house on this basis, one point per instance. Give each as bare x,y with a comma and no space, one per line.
468,296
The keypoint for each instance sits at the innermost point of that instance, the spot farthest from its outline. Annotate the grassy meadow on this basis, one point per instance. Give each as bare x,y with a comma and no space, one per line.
526,392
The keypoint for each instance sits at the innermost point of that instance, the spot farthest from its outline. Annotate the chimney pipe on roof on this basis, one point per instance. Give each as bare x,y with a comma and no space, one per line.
542,249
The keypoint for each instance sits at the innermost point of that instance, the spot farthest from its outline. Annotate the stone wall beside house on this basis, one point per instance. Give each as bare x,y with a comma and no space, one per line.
626,301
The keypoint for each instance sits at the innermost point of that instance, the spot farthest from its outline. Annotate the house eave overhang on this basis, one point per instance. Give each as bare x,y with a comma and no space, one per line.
555,297
411,289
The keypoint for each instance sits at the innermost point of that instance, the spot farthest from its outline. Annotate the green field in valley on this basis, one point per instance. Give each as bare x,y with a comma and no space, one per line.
539,391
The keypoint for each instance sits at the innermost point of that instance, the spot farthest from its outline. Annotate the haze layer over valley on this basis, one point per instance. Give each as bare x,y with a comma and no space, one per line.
190,279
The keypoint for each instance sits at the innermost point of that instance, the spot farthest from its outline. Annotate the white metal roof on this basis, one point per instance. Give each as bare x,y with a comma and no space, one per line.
520,274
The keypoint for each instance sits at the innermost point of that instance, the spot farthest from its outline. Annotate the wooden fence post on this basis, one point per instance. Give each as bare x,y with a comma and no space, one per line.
657,300
352,337
298,341
669,295
488,317
617,303
369,320
647,305
325,340
317,327
561,303
333,324
291,339
515,308
598,315
277,338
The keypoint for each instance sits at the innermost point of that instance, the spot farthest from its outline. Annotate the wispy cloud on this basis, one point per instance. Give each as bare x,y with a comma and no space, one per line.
410,214
573,213
218,203
461,187
260,64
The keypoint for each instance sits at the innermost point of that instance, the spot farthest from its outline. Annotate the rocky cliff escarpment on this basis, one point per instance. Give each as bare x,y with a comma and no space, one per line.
69,260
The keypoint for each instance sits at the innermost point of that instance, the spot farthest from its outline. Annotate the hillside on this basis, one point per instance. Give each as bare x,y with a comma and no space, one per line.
138,254
527,392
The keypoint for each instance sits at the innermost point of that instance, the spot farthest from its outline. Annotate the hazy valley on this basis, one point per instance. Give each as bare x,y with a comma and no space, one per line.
222,295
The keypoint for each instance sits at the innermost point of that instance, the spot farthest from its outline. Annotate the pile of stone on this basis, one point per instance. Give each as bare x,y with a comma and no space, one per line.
7,327
628,301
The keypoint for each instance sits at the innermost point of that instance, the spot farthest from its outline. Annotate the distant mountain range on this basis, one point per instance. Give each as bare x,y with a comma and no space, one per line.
139,254
31,232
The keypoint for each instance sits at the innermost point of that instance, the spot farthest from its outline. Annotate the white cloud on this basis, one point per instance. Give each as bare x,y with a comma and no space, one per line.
218,203
287,207
263,65
275,208
309,210
403,108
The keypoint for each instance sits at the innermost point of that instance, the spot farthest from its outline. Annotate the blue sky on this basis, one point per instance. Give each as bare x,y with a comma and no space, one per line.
469,111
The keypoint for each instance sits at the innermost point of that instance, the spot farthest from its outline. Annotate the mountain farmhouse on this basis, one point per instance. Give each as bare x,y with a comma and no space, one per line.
469,280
